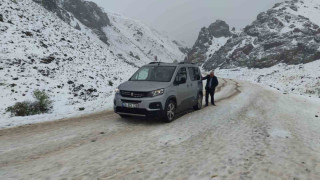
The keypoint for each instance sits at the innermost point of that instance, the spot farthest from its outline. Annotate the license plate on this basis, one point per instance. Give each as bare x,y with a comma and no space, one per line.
130,105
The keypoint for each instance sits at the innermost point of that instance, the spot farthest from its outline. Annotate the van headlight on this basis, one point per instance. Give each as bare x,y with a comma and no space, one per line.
157,92
117,90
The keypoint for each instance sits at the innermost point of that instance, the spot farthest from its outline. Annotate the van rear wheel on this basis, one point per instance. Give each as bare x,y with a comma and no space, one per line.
170,111
199,102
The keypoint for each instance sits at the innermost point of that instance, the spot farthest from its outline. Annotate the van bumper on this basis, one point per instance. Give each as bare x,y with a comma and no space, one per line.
147,107
138,112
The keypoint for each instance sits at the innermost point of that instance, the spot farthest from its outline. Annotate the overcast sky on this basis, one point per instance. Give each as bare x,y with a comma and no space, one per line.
183,19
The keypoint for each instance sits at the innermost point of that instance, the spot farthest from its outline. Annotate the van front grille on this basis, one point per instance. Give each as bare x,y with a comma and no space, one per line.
133,94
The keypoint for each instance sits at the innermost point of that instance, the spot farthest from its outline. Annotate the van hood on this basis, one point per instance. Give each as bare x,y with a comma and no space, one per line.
143,86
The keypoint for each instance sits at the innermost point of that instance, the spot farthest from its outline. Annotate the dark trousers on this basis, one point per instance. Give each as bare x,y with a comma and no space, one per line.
211,93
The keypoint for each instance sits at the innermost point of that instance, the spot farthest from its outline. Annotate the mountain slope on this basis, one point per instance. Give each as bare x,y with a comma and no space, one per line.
139,41
126,37
280,49
39,51
288,33
67,59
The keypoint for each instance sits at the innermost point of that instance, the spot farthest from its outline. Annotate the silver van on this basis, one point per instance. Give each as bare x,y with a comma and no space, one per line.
160,90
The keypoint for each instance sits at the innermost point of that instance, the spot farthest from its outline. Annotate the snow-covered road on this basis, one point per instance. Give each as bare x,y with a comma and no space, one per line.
253,133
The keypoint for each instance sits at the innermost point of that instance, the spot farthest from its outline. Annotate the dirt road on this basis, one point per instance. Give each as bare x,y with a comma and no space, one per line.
253,133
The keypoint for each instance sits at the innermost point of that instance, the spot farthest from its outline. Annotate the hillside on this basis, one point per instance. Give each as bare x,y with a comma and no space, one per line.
140,42
280,49
128,39
288,33
71,63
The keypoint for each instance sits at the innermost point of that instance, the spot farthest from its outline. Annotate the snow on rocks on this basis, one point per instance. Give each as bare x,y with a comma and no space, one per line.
303,79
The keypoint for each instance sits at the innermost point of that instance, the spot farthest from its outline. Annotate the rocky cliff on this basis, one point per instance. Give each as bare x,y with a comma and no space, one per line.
71,11
209,40
287,33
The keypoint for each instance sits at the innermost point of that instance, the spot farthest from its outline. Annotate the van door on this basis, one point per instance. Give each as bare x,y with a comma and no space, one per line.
194,84
182,89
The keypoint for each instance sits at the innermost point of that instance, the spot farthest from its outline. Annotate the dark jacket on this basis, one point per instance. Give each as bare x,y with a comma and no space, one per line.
214,82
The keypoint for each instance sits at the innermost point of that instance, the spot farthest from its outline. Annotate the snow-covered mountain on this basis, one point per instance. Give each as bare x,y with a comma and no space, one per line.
78,64
129,39
280,49
210,40
287,33
140,42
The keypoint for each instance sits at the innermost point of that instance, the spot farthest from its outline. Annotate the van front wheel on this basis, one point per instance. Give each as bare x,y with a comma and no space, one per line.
170,111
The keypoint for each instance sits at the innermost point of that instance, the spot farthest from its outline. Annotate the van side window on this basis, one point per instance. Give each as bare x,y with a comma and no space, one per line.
191,73
182,73
197,74
194,73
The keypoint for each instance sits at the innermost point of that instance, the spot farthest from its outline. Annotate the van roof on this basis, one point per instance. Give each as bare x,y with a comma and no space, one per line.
170,64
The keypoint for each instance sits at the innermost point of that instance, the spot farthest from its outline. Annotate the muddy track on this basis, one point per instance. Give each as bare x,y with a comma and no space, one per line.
237,91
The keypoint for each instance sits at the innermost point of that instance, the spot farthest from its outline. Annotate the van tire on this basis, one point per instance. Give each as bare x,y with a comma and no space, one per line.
198,106
169,111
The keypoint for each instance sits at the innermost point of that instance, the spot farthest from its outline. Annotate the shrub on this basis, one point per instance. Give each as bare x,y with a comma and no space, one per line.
26,108
43,100
110,83
20,109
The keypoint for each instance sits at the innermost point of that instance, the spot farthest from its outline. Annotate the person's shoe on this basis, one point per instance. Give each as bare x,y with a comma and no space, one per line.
214,104
206,105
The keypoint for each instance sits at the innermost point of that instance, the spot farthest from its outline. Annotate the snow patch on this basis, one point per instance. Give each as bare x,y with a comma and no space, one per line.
280,133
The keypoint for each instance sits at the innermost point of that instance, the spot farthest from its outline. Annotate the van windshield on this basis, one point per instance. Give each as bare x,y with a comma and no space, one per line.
154,73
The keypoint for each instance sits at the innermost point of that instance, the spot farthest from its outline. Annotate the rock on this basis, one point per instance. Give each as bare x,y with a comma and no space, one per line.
70,82
27,33
91,90
1,18
81,109
44,72
316,116
42,44
15,78
102,133
47,60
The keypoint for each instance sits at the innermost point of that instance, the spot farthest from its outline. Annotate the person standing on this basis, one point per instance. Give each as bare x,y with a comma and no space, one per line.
212,83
